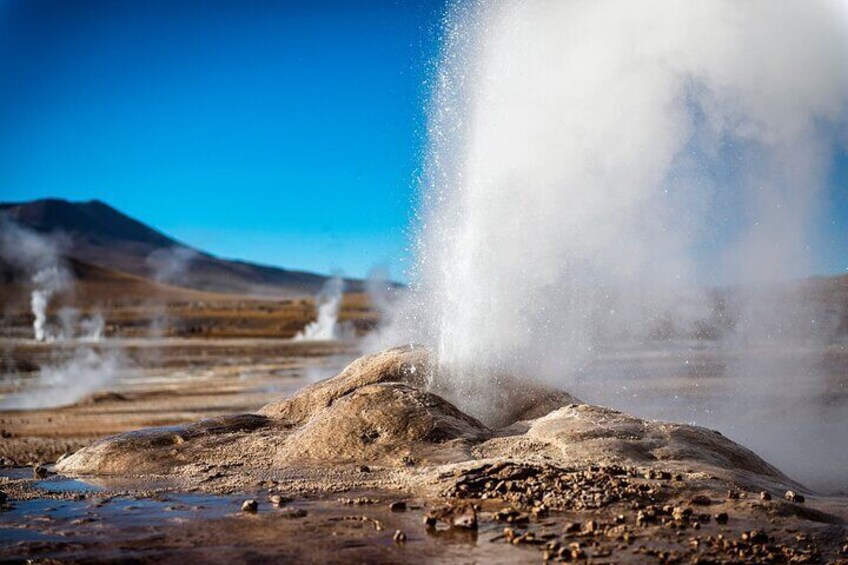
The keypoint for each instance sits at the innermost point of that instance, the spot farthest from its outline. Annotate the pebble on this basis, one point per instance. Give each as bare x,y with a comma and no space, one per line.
700,500
40,471
754,536
359,500
721,518
793,496
399,537
764,495
249,506
398,506
364,469
465,518
278,500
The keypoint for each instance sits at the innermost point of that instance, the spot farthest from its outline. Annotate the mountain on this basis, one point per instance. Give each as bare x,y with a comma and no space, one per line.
95,233
97,286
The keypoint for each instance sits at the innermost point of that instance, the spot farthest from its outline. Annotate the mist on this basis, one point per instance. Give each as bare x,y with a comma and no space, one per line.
613,174
168,266
67,381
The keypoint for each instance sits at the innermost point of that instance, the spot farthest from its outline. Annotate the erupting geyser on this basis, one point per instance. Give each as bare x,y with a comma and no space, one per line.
592,165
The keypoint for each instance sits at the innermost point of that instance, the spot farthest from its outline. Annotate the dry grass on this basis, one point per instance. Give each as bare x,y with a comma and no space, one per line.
134,306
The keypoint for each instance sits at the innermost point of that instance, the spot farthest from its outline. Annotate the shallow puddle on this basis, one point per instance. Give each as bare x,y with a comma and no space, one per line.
65,484
186,527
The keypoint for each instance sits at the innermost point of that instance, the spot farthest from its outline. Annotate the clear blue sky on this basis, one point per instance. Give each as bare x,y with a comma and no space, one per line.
279,132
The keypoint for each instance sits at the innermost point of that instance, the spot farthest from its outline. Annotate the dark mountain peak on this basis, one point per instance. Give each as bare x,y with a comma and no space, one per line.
93,220
100,235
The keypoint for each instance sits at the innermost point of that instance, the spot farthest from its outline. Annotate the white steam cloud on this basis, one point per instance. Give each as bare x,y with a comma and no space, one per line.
327,327
594,166
68,381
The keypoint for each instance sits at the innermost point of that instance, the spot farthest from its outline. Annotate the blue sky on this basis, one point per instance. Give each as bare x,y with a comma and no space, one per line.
283,133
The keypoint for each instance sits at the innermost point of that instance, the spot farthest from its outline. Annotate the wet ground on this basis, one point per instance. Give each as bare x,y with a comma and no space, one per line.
58,519
72,521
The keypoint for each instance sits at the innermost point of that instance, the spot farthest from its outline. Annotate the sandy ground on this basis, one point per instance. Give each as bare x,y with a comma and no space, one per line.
579,484
163,382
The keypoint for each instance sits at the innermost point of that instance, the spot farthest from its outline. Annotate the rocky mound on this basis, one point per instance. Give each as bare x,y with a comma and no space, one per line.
380,411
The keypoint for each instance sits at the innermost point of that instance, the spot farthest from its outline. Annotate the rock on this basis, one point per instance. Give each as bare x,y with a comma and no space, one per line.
681,513
519,400
793,496
398,506
380,410
765,495
700,500
249,506
159,450
399,537
755,536
721,518
278,501
462,516
405,420
408,461
40,471
465,517
3,498
572,527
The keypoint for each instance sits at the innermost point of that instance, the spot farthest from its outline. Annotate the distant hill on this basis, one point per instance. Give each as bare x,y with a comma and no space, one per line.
98,286
100,235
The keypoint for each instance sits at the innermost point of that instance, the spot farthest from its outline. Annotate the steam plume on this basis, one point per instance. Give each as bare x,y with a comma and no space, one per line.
86,369
593,164
326,326
39,257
